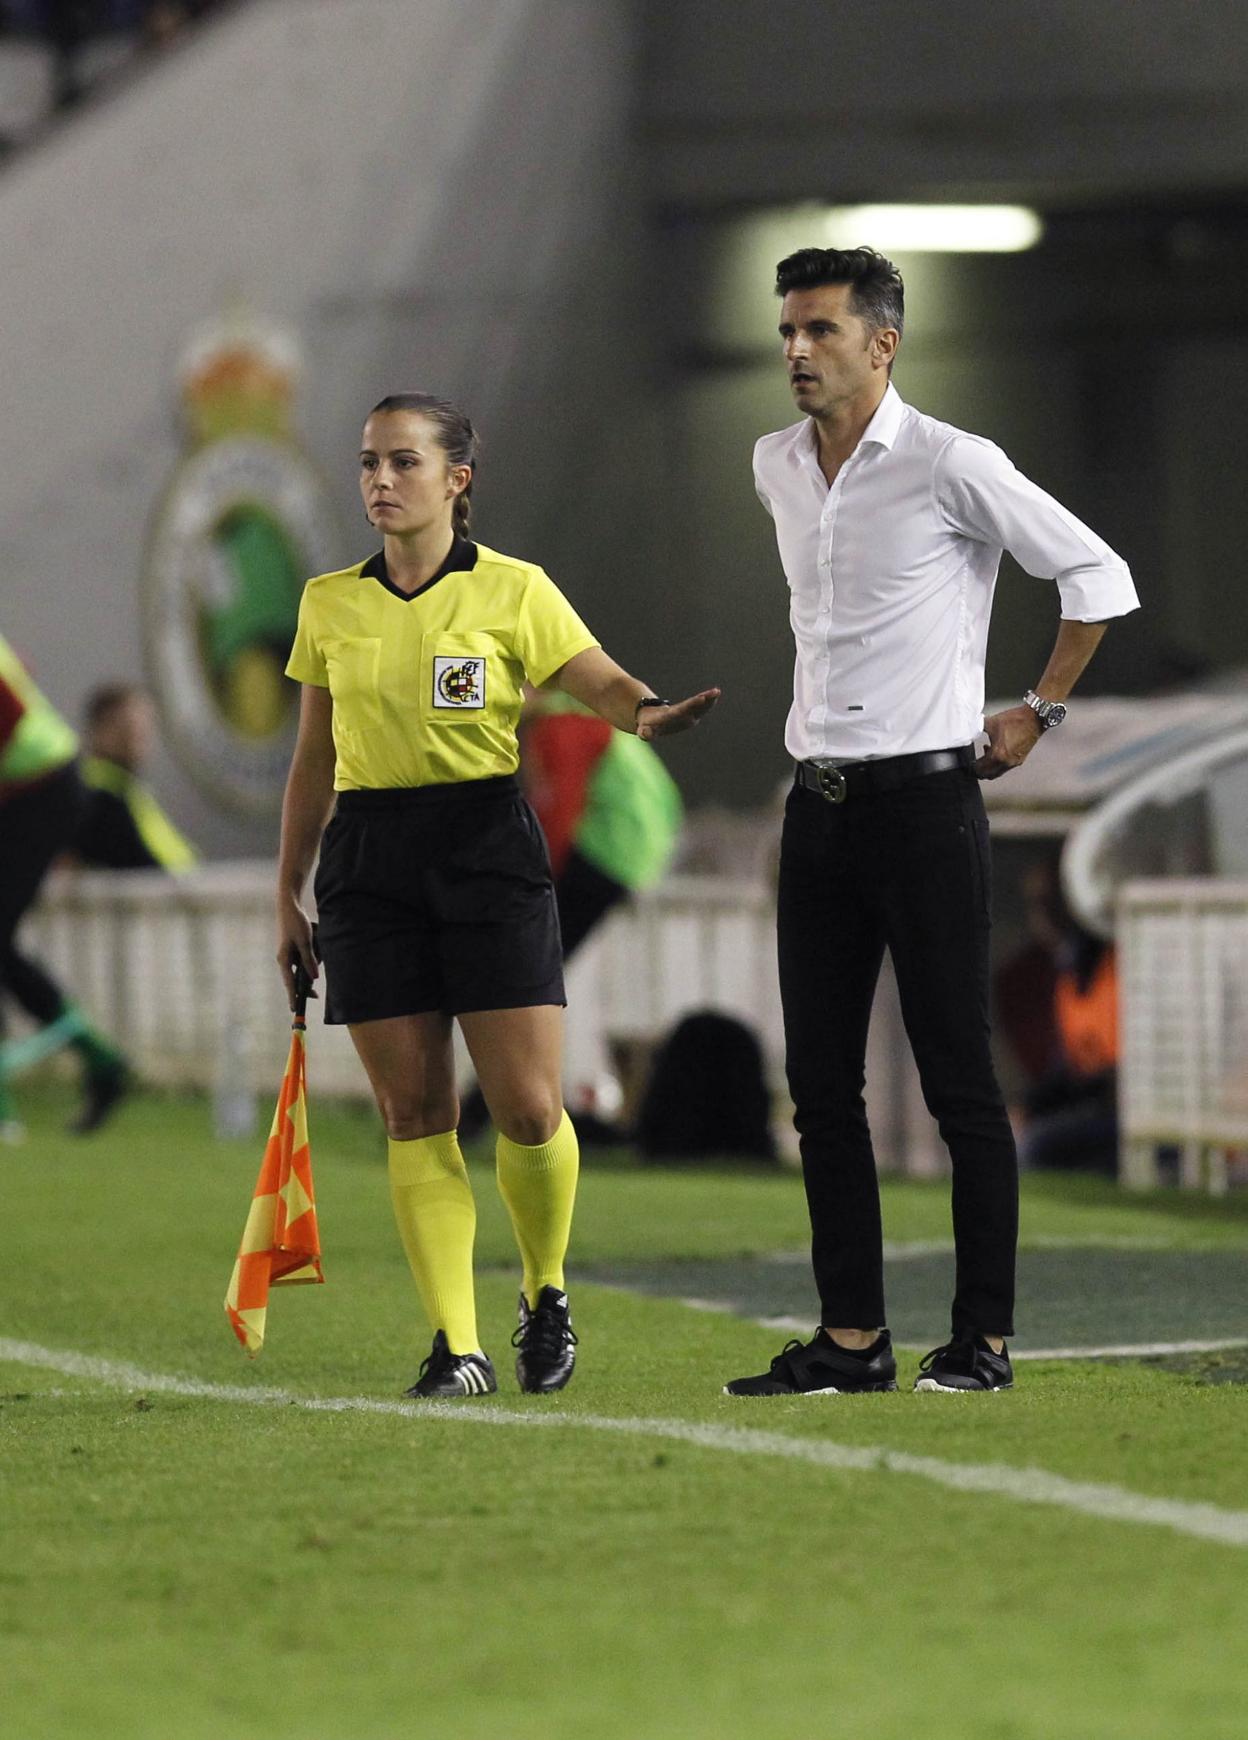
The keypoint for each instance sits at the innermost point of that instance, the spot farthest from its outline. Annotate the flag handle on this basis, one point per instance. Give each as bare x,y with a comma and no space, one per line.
303,990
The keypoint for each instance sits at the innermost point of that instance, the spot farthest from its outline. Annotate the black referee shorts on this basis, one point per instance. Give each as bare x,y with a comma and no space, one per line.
436,897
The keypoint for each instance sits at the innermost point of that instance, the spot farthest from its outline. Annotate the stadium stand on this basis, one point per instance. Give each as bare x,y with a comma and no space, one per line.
53,52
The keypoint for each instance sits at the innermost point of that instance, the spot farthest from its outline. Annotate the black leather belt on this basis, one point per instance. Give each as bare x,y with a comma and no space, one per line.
838,780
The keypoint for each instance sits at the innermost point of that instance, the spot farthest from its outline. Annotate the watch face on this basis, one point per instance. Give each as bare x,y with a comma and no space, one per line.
1054,713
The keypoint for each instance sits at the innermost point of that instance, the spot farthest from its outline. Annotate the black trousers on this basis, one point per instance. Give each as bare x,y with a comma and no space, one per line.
30,988
907,870
35,826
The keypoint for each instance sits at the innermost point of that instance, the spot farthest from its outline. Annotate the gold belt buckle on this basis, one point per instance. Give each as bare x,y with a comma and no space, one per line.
832,782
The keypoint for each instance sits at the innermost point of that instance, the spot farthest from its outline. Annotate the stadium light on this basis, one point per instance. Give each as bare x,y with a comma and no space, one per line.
934,229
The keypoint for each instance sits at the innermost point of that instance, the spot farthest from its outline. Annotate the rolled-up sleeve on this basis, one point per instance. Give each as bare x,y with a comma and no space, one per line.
983,496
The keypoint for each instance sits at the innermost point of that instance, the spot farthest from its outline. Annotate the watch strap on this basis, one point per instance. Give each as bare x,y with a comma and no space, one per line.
1049,713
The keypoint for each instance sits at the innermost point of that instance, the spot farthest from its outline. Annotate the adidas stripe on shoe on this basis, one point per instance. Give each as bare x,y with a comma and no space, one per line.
446,1375
545,1343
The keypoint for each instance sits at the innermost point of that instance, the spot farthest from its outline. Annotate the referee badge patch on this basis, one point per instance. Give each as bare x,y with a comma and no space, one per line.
458,684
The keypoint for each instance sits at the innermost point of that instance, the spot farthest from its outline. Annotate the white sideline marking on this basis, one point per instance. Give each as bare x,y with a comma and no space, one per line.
1207,1522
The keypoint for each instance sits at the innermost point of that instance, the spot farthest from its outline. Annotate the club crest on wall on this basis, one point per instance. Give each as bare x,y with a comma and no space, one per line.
242,525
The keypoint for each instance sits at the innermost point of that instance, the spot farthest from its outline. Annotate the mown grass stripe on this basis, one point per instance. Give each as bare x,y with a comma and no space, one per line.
1114,1350
1131,1349
1106,1503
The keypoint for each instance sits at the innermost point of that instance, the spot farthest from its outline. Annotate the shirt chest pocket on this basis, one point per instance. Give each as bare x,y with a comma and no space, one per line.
354,668
459,678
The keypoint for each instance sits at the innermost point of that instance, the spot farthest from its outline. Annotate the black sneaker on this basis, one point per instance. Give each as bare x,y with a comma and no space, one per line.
545,1342
965,1363
821,1368
453,1374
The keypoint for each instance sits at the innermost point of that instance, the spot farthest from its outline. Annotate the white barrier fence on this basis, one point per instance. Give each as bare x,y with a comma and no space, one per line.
1183,974
182,972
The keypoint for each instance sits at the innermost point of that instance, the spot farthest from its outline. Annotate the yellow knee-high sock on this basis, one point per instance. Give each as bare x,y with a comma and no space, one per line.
437,1221
539,1187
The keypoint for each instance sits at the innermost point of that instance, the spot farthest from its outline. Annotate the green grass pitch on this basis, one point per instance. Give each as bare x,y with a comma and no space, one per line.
185,1566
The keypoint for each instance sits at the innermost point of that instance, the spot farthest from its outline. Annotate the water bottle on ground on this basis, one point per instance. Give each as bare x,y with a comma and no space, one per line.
233,1097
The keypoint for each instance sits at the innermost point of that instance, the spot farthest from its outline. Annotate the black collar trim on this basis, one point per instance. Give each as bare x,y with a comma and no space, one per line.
461,559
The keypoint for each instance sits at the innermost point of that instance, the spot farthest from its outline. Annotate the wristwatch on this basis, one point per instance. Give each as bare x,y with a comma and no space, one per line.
1049,713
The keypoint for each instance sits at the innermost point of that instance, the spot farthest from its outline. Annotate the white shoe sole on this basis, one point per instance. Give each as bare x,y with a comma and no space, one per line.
928,1383
806,1395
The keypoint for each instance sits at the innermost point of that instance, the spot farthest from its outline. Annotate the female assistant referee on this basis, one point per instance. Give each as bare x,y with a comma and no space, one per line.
433,891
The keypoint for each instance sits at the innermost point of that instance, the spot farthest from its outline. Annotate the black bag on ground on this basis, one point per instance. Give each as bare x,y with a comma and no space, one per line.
707,1093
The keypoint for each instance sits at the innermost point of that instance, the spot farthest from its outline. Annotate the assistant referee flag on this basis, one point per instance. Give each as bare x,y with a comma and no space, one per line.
281,1242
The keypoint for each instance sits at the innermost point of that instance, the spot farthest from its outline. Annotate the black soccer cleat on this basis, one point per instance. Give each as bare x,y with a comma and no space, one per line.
447,1374
545,1343
820,1367
101,1092
965,1363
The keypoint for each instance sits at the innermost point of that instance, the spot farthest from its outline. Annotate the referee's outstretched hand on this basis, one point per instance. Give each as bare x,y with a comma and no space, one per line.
679,716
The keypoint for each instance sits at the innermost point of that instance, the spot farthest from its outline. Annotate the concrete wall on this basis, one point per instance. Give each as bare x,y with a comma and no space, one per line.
426,197
765,100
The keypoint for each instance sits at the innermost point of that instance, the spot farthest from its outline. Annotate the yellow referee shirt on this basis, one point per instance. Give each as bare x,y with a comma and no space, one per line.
427,687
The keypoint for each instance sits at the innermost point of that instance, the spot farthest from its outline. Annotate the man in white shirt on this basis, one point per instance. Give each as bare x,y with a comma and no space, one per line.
891,527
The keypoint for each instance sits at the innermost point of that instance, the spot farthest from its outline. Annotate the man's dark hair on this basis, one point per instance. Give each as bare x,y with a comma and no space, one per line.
105,700
879,297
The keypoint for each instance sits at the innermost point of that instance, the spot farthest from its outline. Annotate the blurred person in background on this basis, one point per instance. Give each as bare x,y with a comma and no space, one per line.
891,527
80,33
433,889
92,38
1057,1001
123,827
42,804
611,815
165,20
610,810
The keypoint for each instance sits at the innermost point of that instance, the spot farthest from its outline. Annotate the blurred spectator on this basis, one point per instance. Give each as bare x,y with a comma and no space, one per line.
124,827
609,809
59,49
611,814
1057,1001
707,1095
165,20
121,827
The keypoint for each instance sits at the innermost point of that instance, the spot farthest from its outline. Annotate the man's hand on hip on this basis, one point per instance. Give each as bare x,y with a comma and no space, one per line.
1012,736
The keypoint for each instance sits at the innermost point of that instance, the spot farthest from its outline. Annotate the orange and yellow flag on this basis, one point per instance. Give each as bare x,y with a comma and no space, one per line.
280,1241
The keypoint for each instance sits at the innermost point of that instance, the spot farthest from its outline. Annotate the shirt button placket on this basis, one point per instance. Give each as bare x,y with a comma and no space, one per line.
827,536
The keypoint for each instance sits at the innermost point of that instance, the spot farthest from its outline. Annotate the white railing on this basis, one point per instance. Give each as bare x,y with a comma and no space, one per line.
181,972
1183,1080
1147,827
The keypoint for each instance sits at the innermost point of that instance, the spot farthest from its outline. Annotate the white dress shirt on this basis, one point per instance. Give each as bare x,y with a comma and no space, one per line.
891,574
